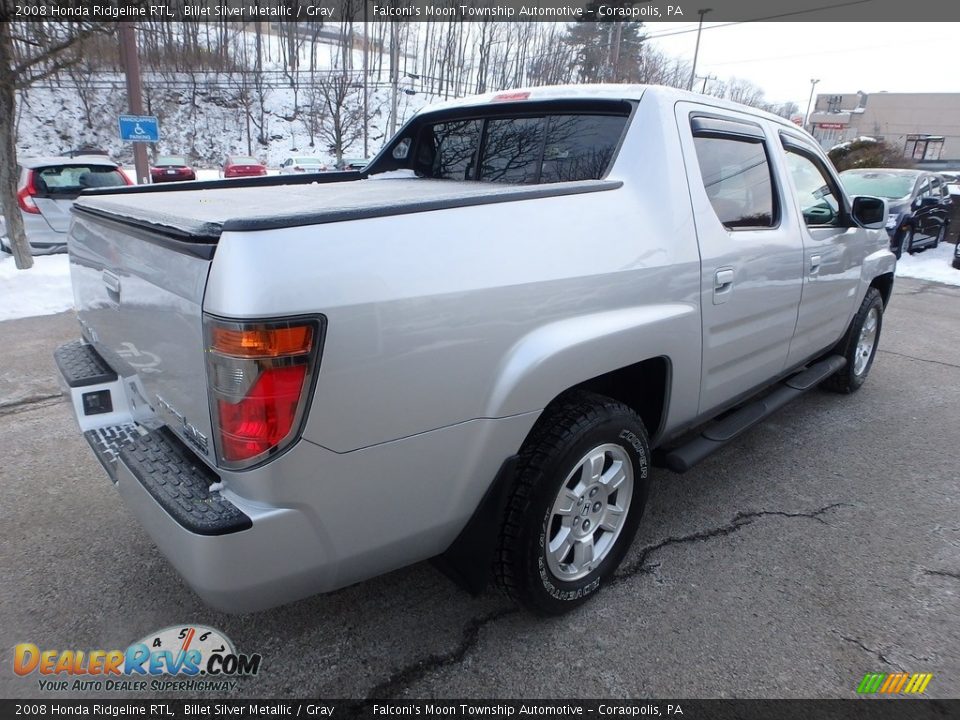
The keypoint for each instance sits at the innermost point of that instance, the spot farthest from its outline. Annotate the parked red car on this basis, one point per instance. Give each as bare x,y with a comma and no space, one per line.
171,168
242,166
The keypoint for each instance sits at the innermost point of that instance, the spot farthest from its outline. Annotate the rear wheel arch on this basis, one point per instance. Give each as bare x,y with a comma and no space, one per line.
642,386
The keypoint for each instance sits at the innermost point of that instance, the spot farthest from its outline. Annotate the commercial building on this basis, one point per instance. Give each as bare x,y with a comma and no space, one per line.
926,126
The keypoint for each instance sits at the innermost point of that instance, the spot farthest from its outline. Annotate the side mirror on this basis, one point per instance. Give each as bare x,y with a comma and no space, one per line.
869,212
929,202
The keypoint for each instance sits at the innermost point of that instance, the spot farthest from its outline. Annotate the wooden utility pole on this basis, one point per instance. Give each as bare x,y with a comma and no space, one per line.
131,66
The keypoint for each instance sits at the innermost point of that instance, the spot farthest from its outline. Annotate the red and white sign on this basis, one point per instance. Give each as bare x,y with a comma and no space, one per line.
832,126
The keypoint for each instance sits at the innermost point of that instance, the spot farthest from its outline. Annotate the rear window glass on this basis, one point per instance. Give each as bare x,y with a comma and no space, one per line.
243,161
520,150
580,147
512,149
448,150
171,160
71,179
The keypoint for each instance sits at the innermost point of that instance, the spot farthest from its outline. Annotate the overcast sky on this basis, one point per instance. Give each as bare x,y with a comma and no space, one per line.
782,57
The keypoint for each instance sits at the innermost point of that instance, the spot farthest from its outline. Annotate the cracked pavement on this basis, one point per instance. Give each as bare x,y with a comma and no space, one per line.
822,544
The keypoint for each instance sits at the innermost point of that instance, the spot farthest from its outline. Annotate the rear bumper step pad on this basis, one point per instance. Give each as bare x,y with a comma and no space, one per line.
81,365
106,443
181,485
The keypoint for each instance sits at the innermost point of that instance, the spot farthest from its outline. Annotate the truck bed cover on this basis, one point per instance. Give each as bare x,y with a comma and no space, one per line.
202,214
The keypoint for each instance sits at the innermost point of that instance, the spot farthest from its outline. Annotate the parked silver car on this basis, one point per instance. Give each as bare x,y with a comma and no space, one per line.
48,186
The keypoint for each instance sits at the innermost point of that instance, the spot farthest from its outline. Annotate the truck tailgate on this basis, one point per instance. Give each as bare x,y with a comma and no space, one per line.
139,299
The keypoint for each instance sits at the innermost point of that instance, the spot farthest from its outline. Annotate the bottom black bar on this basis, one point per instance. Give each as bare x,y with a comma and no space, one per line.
860,708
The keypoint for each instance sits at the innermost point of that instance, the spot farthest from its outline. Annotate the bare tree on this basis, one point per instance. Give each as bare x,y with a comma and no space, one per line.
29,52
342,107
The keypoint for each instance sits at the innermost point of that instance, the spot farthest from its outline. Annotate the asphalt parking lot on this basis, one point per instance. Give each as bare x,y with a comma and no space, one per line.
821,545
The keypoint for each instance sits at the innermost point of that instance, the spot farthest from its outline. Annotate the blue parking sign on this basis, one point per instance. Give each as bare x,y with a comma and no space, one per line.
139,128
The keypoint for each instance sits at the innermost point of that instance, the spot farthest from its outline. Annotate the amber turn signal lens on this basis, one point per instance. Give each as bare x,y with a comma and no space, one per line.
263,342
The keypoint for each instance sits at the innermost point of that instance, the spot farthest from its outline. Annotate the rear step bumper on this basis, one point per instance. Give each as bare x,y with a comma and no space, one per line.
716,435
156,459
237,555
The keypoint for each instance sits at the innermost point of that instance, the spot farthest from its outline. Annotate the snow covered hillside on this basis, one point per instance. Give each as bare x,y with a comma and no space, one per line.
207,116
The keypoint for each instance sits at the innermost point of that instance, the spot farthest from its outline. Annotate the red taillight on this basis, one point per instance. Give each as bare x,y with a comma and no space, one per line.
260,421
26,194
259,374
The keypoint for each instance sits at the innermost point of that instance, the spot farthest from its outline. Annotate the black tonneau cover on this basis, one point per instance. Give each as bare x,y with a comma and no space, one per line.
201,215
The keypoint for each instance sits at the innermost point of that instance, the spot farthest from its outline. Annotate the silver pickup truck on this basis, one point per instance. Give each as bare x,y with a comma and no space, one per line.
473,350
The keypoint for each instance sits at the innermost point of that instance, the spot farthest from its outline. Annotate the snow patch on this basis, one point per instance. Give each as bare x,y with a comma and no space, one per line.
43,290
932,265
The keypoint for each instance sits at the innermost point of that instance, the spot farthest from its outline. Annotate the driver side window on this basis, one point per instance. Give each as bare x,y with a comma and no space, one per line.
819,203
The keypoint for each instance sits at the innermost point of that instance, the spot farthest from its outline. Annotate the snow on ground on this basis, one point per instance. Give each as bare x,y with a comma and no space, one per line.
45,289
933,265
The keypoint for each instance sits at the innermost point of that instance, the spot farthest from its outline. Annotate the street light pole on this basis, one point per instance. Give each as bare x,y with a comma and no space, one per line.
696,51
806,121
366,91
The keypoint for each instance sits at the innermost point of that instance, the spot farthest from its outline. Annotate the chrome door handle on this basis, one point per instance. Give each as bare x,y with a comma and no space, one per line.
814,264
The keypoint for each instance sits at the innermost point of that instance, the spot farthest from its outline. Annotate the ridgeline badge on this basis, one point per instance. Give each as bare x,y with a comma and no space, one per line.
187,652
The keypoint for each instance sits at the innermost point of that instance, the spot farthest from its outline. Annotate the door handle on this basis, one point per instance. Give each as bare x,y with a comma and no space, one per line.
814,264
723,280
111,281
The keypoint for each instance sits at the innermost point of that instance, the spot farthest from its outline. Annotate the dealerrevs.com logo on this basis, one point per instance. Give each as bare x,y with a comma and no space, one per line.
190,658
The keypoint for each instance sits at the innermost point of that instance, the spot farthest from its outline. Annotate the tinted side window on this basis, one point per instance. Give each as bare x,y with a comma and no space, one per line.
736,176
580,147
818,202
511,150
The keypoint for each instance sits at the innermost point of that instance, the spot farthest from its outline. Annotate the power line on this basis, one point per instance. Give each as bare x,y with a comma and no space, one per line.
670,33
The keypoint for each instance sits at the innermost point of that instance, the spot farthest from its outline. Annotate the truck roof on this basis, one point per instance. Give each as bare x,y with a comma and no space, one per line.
600,91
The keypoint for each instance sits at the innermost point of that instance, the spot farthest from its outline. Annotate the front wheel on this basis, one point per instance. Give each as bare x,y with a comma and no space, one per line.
581,489
859,345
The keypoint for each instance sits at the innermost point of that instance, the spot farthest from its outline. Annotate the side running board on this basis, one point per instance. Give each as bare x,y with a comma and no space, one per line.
715,436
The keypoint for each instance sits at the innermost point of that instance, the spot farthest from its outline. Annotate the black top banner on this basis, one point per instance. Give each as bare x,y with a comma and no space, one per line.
309,11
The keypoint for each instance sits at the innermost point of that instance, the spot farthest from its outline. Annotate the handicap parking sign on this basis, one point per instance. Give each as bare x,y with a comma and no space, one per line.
139,128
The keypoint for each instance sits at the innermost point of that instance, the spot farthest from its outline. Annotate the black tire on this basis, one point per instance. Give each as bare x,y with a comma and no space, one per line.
848,380
906,242
940,236
564,436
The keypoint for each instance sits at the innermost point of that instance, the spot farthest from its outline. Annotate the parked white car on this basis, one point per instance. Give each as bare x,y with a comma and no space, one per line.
302,165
